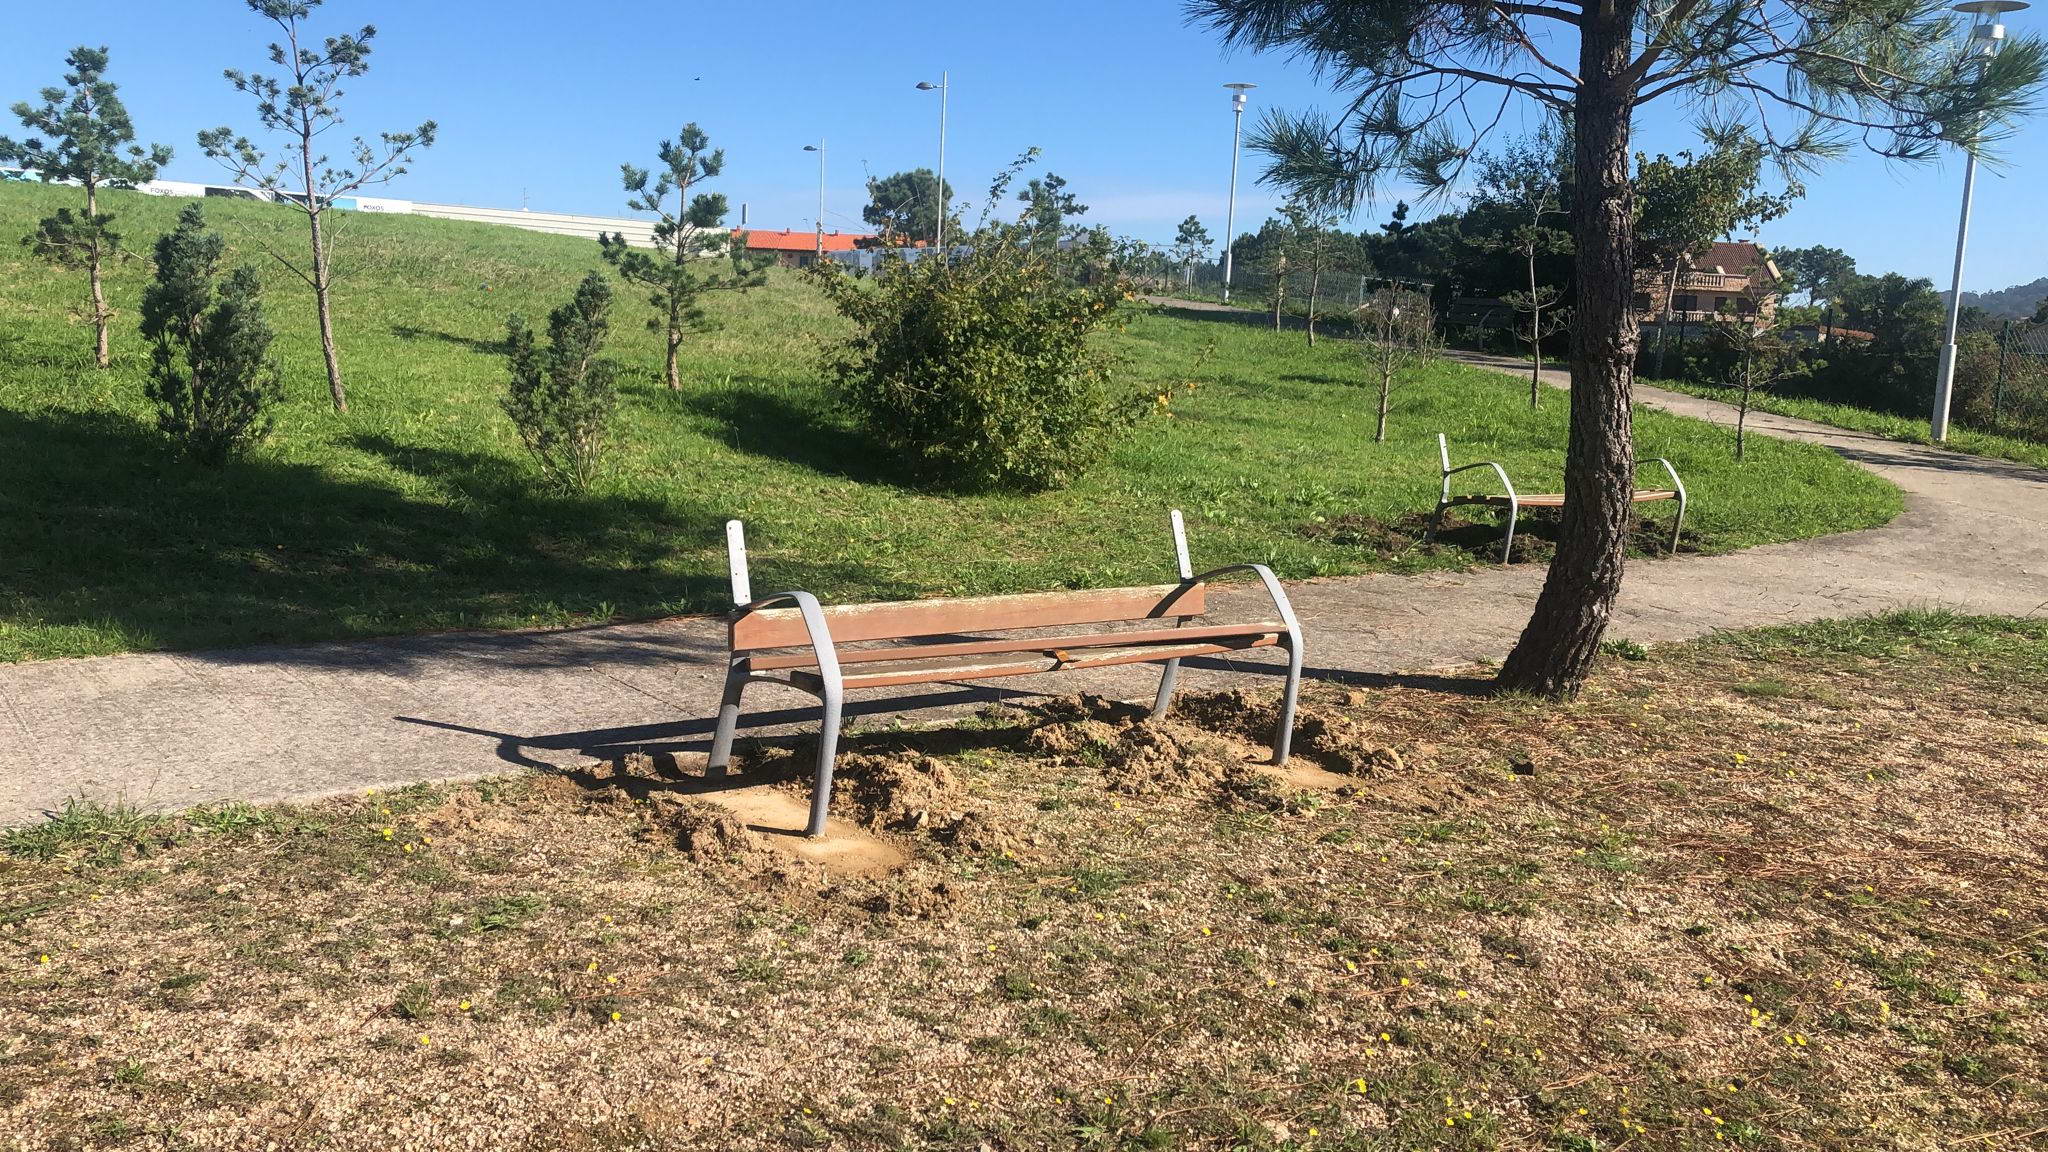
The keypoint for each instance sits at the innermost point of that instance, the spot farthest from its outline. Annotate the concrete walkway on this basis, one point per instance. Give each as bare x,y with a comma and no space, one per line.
168,730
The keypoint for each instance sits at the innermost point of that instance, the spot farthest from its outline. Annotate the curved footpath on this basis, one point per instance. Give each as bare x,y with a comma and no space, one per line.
168,730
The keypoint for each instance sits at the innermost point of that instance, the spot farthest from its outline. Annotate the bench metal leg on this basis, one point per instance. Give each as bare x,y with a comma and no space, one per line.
828,751
1435,519
728,722
1507,545
1283,741
1677,523
1164,700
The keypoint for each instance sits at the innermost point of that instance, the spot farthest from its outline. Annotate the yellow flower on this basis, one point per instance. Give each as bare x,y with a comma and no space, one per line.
615,1017
1358,1084
423,1039
462,1007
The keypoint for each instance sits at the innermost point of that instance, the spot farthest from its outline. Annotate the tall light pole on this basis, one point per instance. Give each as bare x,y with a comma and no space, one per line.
1985,40
819,148
945,89
1237,92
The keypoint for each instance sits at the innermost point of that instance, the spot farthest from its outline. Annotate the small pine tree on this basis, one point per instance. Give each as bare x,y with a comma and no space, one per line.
210,368
684,241
562,397
299,104
83,128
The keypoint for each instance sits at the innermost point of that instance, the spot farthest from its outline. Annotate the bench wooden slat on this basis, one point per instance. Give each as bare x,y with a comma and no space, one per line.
994,666
906,619
806,658
1556,499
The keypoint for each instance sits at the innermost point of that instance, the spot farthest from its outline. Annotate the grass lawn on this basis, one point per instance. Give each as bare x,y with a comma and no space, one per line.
1769,890
419,509
1889,425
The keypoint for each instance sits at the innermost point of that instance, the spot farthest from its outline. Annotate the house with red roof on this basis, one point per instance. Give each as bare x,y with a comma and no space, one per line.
797,249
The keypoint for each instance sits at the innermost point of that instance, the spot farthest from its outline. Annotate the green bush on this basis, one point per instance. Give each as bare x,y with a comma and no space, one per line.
210,370
980,373
562,397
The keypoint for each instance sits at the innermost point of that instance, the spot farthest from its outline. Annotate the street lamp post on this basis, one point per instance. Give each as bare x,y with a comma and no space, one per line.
944,88
819,148
1985,39
1237,92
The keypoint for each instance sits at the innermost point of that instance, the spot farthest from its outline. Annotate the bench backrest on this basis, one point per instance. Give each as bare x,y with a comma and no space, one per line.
911,619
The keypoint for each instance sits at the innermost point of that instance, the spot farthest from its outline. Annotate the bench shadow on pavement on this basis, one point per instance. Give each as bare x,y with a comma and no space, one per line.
684,736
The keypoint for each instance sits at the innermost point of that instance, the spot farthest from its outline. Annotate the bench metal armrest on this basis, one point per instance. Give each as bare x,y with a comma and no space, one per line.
814,623
1444,494
1677,485
1273,589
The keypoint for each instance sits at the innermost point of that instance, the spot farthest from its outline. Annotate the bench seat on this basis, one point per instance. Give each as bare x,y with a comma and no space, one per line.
1554,499
918,665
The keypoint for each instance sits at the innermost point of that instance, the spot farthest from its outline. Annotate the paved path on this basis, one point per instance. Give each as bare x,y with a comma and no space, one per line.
167,730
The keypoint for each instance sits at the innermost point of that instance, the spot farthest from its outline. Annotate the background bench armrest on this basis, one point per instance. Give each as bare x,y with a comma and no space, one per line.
1273,589
1507,485
1677,485
814,623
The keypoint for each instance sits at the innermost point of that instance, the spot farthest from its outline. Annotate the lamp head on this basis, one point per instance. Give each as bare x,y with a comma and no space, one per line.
1991,8
811,148
927,86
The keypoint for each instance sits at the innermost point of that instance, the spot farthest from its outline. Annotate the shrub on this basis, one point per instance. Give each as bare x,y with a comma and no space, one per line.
979,372
562,397
210,370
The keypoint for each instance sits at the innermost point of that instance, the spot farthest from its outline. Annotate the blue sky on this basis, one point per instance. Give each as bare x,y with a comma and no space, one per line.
542,101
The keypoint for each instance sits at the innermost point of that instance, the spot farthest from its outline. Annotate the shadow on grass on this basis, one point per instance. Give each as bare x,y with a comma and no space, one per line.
801,432
411,334
101,526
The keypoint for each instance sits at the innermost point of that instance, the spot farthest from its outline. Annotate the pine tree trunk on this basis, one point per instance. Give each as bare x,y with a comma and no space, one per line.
1315,284
670,374
1670,290
1557,649
321,286
102,355
1386,391
1535,335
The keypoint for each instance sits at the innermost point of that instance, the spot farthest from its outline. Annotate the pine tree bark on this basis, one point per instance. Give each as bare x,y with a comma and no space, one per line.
321,293
1535,333
101,314
321,276
1557,648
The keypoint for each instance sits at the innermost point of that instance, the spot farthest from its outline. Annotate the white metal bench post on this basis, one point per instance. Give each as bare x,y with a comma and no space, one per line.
1170,673
739,672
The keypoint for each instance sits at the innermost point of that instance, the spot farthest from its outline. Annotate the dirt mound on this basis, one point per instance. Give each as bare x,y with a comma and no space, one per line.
1332,739
979,834
919,892
700,830
1140,756
902,791
909,791
1478,533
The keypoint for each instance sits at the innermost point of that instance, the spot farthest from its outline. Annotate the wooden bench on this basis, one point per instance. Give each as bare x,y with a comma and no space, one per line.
792,640
1515,501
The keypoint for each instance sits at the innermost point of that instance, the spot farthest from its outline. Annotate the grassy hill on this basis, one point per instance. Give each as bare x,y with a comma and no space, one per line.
419,509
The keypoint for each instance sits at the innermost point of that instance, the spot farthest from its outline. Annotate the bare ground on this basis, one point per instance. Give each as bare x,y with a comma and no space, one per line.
1780,890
